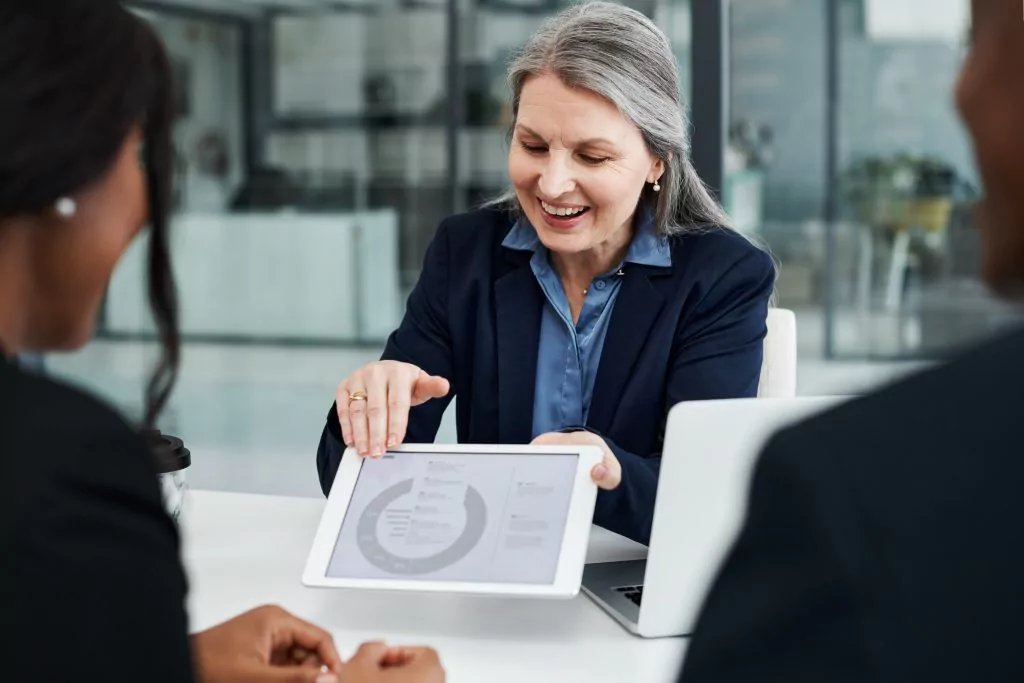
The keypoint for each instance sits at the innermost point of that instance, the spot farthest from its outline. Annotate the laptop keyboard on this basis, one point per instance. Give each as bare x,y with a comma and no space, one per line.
634,593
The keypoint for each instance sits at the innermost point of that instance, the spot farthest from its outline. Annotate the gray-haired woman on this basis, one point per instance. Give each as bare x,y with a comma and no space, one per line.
605,288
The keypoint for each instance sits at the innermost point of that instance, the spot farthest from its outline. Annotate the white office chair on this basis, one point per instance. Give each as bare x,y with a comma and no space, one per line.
778,369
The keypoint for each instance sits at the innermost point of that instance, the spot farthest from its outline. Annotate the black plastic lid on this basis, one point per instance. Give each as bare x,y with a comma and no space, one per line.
171,454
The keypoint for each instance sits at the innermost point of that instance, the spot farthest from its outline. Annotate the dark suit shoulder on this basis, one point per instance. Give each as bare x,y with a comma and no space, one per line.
715,242
57,421
949,432
58,443
721,264
920,486
32,391
965,394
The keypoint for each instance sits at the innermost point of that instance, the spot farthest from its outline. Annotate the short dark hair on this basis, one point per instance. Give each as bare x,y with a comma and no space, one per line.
76,77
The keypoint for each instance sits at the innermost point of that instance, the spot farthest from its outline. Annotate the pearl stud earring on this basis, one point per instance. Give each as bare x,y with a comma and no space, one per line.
65,207
656,187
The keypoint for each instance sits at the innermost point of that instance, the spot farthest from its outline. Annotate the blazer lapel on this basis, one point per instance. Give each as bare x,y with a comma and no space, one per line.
636,308
519,301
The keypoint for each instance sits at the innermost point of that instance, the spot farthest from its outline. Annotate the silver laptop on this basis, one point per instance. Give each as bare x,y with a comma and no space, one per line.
708,457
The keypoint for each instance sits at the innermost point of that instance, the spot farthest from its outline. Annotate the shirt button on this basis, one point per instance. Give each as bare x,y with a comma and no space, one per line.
599,284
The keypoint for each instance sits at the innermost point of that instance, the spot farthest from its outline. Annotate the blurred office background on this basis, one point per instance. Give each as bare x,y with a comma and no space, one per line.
322,141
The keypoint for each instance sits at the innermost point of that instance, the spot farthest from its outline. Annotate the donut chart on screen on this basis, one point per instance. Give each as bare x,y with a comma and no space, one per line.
376,554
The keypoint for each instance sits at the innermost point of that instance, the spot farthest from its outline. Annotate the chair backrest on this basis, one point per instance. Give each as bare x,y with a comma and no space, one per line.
778,369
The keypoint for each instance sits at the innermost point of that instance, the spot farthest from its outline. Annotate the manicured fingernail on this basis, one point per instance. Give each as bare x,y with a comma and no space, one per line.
392,441
600,472
326,678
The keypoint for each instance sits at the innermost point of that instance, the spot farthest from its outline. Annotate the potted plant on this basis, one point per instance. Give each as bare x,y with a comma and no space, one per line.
873,187
932,199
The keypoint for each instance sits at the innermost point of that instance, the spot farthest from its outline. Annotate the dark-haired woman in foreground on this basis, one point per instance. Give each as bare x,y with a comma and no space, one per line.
93,588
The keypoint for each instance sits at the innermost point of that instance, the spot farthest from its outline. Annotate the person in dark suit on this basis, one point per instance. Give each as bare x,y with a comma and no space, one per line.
883,538
92,586
604,289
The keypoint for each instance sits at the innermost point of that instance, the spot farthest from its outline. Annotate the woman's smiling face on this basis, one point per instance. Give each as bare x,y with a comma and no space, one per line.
578,166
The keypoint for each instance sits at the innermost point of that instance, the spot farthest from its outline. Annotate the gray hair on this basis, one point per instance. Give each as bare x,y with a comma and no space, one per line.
619,53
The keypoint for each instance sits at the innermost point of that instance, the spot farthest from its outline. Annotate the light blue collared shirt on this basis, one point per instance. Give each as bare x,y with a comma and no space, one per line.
568,355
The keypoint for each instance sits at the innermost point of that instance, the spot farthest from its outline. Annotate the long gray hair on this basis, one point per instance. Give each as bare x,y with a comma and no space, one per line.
619,53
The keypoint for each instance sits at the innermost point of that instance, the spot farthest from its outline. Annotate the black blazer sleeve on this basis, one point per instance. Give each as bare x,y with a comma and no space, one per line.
97,592
784,607
421,339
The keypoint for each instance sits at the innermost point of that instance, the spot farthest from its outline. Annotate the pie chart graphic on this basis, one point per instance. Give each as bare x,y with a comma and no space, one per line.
382,558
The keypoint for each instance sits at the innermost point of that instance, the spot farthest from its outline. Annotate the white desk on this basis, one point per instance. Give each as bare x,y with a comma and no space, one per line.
245,550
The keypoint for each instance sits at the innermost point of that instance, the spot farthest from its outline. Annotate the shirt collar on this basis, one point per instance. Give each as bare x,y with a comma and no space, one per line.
648,248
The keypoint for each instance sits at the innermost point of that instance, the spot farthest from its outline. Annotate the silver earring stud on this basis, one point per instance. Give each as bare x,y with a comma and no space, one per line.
656,187
65,207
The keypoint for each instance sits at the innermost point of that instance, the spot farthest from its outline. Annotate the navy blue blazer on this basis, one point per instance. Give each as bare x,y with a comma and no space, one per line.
691,331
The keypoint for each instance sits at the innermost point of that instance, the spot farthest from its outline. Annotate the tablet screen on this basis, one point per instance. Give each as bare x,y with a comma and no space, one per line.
488,518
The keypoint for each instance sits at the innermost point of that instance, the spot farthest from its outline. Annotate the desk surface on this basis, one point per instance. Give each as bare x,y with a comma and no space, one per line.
244,550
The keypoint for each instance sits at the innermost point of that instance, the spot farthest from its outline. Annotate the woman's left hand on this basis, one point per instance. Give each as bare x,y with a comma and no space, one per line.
607,474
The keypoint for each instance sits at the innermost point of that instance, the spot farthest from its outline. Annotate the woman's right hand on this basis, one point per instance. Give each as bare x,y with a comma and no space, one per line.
374,402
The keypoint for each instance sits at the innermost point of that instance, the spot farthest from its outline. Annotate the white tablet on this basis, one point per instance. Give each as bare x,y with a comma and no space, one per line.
498,520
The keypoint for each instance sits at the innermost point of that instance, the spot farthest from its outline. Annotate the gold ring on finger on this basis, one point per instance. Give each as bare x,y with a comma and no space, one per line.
356,396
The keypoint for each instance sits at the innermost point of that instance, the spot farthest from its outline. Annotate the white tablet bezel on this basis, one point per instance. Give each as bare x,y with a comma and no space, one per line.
575,538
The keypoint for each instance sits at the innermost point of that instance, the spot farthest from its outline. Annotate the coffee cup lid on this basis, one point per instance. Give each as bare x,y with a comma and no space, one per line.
171,454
